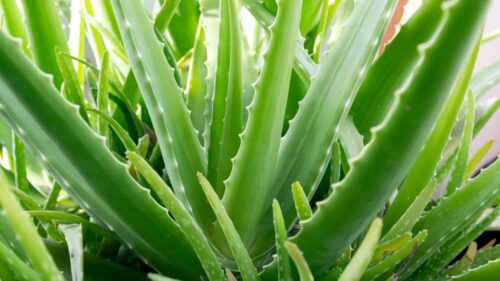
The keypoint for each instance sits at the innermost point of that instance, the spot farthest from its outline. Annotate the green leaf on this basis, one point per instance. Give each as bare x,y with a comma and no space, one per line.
179,143
458,174
186,222
226,122
389,263
283,260
243,260
13,21
425,166
165,14
488,271
119,130
364,254
244,191
14,263
464,263
73,235
52,128
390,246
45,34
406,222
486,255
395,145
27,235
182,27
305,273
476,159
302,206
19,163
103,96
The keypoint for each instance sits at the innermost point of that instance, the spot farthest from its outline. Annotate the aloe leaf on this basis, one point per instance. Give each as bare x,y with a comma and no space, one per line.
181,149
119,130
227,100
302,206
390,262
283,260
364,254
412,214
351,139
243,260
305,273
464,263
463,205
243,190
488,271
19,163
27,236
485,79
73,235
197,84
12,18
390,246
14,263
324,109
32,106
376,94
476,159
426,164
457,175
45,34
486,255
183,26
72,89
74,219
449,251
94,38
103,96
367,185
311,11
165,14
186,222
76,41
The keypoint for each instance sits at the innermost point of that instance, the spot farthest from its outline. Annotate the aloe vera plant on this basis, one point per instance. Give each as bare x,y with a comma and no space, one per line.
175,142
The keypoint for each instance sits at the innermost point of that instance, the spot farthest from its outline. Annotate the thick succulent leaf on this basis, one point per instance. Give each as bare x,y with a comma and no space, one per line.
376,95
463,263
62,141
302,206
197,82
13,22
19,158
443,256
181,149
388,264
27,236
182,27
412,214
364,254
14,263
465,204
457,177
311,11
76,41
165,15
488,271
227,100
351,139
327,102
244,191
305,273
240,254
390,246
186,222
486,255
45,34
283,260
425,166
395,145
73,235
476,159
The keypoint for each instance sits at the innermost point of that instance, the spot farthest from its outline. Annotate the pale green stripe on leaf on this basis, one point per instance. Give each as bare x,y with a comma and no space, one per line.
364,254
19,158
186,222
27,235
240,253
305,273
103,96
302,206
